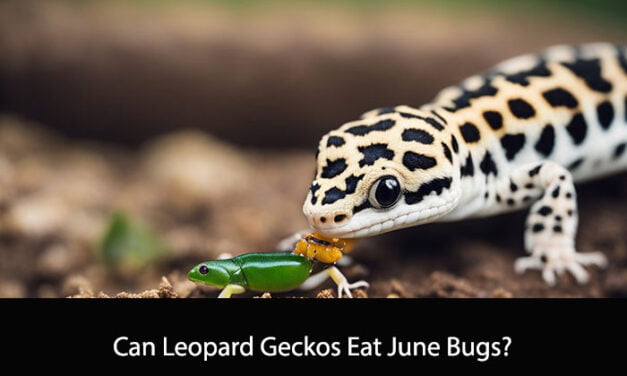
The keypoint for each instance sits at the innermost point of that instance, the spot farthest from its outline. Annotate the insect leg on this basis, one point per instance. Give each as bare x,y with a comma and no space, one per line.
230,290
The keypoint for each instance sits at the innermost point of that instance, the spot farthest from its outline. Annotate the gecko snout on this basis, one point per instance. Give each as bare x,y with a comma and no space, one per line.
329,220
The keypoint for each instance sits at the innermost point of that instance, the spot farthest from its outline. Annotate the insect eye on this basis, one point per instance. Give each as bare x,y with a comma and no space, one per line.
385,192
203,269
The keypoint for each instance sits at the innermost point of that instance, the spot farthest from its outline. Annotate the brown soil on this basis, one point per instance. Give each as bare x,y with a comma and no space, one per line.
205,197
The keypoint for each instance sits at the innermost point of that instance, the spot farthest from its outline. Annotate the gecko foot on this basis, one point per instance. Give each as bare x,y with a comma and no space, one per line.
560,258
343,287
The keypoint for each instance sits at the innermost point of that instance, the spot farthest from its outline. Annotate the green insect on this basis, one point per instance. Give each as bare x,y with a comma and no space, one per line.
273,271
254,271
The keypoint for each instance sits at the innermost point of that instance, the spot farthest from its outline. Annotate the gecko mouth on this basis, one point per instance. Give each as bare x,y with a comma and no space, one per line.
406,218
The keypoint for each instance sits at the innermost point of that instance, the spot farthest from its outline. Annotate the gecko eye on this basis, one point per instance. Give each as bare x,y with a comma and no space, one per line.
385,192
203,269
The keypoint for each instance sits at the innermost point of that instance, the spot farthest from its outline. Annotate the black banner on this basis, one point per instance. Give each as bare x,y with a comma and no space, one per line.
482,333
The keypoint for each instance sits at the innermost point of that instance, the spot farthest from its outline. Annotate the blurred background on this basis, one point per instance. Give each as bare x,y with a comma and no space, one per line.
138,138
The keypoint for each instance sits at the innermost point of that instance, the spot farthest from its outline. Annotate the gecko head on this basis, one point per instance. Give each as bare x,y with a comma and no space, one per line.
212,273
382,173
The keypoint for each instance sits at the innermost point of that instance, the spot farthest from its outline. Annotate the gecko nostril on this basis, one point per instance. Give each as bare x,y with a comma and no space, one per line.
339,218
323,219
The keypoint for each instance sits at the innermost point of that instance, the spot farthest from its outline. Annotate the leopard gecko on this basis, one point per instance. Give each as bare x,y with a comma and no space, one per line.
519,135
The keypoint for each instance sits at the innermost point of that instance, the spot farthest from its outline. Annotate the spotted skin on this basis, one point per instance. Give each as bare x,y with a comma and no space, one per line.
517,136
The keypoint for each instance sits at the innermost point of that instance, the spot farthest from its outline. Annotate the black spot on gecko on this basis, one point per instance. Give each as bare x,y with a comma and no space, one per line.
314,188
512,186
470,133
494,119
556,192
436,185
431,121
434,123
520,108
373,152
454,144
335,141
414,161
351,183
590,72
538,227
443,120
619,150
529,186
570,212
332,195
605,114
418,135
559,97
498,198
464,99
558,218
577,129
407,115
574,165
534,171
511,202
545,210
382,125
569,195
557,228
447,152
467,169
487,165
526,198
335,193
522,77
339,218
333,168
512,143
546,142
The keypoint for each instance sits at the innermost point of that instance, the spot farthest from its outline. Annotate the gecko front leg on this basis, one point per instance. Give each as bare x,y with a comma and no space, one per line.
552,221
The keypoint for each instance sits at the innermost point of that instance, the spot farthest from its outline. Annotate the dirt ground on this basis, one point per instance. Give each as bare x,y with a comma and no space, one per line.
203,197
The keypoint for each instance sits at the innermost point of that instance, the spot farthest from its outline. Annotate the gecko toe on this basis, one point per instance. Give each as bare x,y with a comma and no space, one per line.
592,258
